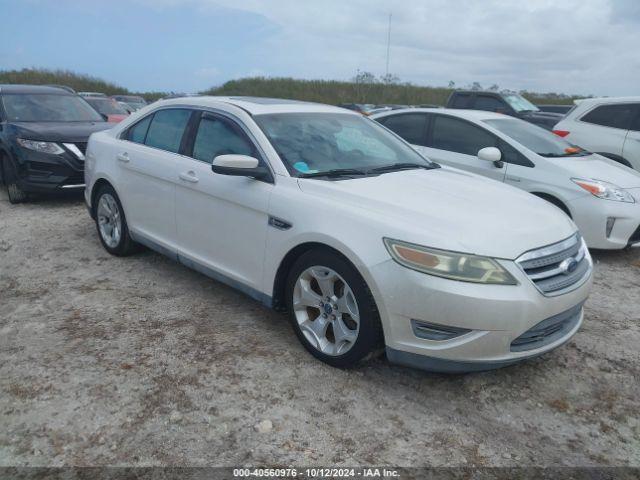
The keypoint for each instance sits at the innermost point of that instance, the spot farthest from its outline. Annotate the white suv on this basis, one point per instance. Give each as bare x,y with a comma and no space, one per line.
324,213
608,126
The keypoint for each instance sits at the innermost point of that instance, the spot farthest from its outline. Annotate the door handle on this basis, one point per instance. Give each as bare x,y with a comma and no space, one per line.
123,157
189,176
513,179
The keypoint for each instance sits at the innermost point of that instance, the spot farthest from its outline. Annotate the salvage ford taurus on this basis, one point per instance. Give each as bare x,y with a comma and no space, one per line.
325,214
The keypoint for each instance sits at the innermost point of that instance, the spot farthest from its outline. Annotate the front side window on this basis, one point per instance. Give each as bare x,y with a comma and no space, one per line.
459,136
319,142
536,139
167,128
614,116
39,107
489,104
217,136
410,126
138,132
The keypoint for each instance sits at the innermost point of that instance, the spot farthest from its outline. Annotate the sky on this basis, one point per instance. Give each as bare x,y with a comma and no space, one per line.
570,46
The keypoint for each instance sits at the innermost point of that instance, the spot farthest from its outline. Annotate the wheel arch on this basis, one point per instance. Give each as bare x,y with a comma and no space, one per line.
555,201
280,279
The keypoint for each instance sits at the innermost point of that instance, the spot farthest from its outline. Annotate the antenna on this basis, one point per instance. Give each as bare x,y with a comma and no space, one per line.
388,44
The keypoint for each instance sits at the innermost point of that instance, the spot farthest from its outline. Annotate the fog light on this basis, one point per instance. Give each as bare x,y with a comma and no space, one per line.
610,222
432,331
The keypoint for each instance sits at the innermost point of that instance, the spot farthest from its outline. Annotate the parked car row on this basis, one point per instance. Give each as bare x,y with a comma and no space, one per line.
384,232
331,217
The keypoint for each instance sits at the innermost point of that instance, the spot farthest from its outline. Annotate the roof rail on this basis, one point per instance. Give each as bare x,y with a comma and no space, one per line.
64,87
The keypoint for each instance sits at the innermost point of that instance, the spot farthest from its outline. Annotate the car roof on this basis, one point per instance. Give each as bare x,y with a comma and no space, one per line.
606,100
477,115
10,88
257,105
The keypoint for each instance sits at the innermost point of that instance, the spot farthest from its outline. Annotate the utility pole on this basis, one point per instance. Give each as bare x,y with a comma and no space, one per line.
388,45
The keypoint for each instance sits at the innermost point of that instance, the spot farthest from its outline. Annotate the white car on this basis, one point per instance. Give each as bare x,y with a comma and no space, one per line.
600,195
324,213
608,126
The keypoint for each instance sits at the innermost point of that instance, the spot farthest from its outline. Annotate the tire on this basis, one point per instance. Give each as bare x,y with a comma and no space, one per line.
14,192
342,331
111,223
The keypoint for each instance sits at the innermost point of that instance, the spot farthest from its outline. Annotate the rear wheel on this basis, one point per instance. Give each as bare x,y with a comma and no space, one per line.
332,310
112,224
10,176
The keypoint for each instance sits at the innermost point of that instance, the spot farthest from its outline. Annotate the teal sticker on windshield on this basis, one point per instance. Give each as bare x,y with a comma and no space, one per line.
303,167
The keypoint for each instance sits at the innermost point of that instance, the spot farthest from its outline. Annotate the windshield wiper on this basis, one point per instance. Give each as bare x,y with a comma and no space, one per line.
404,166
334,173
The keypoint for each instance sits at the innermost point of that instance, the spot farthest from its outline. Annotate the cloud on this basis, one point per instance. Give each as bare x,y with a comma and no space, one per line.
545,45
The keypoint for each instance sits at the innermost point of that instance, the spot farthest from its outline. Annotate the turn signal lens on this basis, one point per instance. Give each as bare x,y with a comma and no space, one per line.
451,265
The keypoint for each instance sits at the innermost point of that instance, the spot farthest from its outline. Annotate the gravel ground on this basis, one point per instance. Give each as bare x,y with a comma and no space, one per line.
140,361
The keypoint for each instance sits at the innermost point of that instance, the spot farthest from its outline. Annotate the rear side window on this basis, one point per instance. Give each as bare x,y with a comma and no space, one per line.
460,100
167,128
456,135
410,126
216,136
489,104
138,132
615,116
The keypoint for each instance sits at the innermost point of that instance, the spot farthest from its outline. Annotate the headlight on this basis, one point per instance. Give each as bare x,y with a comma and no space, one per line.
44,147
452,265
606,190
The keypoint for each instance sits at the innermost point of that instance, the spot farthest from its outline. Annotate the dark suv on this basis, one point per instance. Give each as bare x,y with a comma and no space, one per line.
43,137
512,104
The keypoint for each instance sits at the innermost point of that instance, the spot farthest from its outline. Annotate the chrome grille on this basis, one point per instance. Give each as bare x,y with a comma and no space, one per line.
557,268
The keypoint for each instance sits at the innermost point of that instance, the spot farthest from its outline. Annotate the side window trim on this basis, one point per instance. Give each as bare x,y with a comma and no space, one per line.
199,114
497,140
603,105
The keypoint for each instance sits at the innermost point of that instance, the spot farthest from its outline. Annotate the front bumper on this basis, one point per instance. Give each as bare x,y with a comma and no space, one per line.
491,317
41,172
591,213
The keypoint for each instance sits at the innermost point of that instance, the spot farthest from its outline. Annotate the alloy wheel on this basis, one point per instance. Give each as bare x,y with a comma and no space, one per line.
326,310
109,220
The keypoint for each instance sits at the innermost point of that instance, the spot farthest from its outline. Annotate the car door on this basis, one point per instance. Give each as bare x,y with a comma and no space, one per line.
221,220
455,142
631,150
147,158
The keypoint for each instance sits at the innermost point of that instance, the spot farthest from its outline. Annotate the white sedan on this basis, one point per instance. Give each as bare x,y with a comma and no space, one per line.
323,213
600,195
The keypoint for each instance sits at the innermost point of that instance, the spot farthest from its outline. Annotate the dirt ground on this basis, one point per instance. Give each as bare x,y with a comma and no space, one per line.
141,361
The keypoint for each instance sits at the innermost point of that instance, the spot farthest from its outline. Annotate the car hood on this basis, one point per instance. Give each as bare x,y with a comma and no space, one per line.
597,167
59,131
450,209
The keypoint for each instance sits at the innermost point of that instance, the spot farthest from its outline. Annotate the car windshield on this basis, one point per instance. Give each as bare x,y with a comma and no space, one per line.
315,143
48,108
106,106
536,139
519,103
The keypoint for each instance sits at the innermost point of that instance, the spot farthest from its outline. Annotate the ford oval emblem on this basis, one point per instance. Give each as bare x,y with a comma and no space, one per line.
568,265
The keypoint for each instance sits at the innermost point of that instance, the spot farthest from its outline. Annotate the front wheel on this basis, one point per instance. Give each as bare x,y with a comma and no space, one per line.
112,224
332,310
14,192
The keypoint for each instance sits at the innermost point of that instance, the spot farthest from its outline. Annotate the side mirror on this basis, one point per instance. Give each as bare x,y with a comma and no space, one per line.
491,154
240,166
